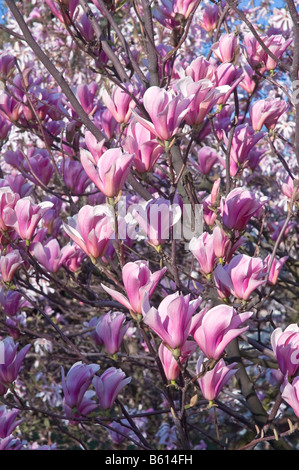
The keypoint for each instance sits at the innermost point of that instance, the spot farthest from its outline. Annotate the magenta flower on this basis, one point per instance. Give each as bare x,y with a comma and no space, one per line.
267,112
91,229
290,394
169,362
75,385
95,148
26,216
48,255
238,207
172,321
221,243
138,280
240,277
200,68
166,111
278,45
119,103
214,329
206,158
74,176
203,94
203,250
226,48
8,421
8,200
183,7
210,18
86,95
143,144
285,345
111,171
10,362
276,267
109,385
244,140
110,331
213,381
9,264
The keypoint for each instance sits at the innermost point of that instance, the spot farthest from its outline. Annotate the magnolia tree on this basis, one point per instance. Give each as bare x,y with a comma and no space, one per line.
148,213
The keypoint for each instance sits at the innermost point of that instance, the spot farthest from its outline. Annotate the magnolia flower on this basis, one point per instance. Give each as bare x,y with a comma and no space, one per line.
212,381
109,385
172,320
166,111
91,229
214,329
138,281
111,171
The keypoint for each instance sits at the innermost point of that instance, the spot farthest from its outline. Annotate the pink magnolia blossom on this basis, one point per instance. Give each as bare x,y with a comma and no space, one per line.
111,171
157,218
213,381
119,103
200,68
5,127
91,229
48,255
277,44
26,216
169,362
109,385
110,330
287,187
285,345
183,7
95,148
86,95
238,207
226,48
221,243
244,140
214,329
11,361
266,113
275,269
143,144
165,110
240,277
9,264
203,250
57,10
7,63
138,280
8,200
8,421
74,176
172,320
204,96
206,158
249,80
290,394
75,387
210,18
